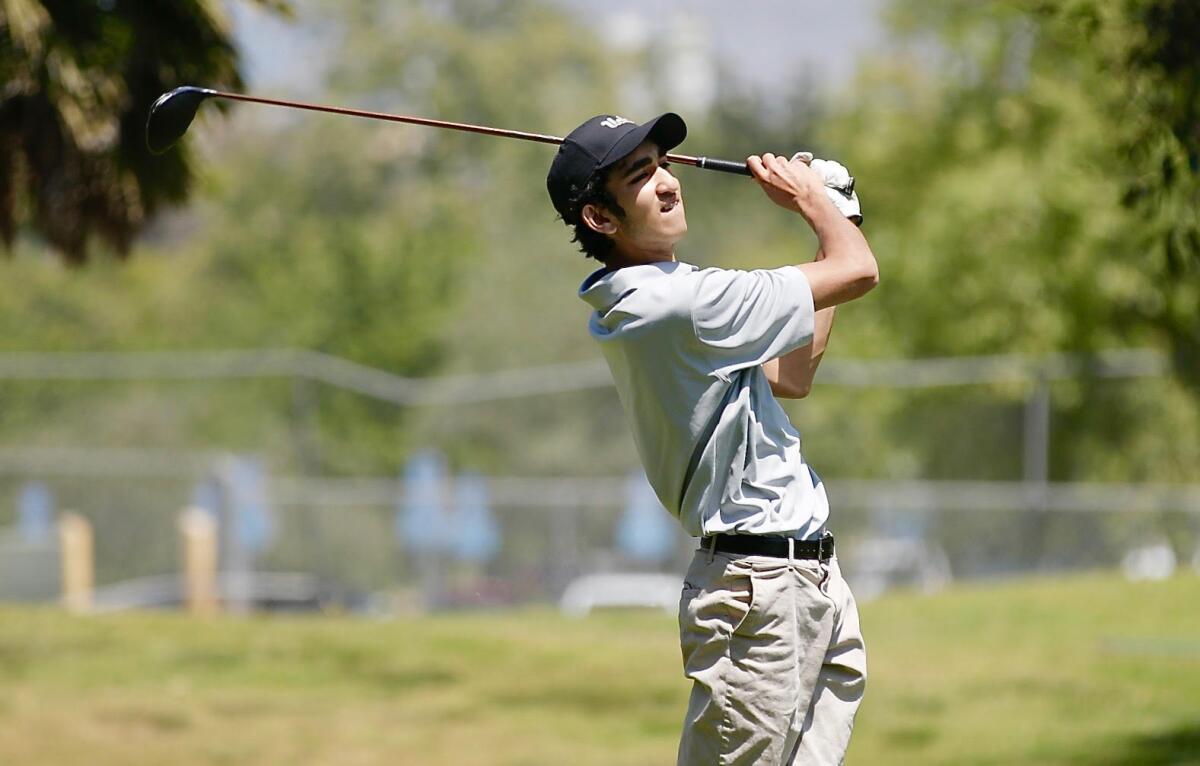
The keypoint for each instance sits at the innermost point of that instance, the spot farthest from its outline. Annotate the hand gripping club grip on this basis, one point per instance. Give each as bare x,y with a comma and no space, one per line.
724,166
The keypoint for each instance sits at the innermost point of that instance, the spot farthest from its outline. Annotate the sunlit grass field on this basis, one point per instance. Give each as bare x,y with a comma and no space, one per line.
1085,670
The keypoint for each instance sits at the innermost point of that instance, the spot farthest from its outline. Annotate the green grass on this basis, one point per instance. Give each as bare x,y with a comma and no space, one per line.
1083,671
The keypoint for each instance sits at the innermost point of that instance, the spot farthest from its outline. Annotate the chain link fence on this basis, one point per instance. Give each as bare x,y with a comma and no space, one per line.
979,439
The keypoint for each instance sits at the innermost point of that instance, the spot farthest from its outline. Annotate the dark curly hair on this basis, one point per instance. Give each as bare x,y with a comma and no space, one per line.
592,243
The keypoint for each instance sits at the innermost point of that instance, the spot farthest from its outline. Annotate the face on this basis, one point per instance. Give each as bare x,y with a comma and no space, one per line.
652,199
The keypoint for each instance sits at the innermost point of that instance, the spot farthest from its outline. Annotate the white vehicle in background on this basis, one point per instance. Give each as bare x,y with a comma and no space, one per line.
621,591
874,565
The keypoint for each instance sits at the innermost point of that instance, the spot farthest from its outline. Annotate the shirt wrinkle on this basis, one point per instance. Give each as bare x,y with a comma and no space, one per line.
686,348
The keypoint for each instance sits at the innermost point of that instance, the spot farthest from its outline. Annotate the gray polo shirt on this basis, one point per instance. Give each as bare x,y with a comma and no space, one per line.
686,348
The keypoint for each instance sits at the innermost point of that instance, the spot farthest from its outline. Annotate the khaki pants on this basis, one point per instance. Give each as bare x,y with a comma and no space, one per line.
776,657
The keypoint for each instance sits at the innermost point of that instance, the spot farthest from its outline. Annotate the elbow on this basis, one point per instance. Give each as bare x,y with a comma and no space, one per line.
872,275
867,278
869,275
790,390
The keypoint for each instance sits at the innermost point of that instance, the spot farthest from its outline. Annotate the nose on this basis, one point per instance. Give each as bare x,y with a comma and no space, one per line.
666,183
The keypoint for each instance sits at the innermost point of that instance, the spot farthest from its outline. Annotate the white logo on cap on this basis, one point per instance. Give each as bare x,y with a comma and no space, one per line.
615,122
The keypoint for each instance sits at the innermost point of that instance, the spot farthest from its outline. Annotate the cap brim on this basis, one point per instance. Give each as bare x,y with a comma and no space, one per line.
667,131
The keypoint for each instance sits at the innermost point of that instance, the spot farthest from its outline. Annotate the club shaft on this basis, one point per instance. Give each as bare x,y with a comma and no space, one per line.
394,118
706,163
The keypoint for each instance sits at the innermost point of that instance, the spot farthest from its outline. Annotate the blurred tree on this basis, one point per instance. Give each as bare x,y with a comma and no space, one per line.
78,80
1029,171
1047,166
1150,51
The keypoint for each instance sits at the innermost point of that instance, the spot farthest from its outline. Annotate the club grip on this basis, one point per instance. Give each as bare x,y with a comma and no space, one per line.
724,166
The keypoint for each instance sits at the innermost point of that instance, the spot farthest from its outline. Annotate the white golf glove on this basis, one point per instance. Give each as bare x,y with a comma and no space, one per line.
839,185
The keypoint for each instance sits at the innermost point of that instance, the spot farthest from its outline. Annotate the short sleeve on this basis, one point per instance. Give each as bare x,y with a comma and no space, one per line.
745,318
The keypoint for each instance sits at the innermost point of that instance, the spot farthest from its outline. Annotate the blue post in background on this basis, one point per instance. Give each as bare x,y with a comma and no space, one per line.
476,536
35,513
248,524
31,555
253,521
421,524
420,512
206,495
646,531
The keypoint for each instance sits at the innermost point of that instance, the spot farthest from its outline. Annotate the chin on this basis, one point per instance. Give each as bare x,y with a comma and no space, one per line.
680,231
676,225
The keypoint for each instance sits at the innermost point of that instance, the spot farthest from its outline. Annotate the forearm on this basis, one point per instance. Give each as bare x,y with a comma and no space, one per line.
822,327
848,270
806,364
791,375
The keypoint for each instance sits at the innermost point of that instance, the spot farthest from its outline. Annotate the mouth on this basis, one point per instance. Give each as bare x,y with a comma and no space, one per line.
671,204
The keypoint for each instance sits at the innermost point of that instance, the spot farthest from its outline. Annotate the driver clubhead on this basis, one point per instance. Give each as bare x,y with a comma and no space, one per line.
171,115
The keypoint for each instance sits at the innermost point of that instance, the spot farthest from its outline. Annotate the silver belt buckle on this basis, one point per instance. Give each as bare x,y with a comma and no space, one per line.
825,546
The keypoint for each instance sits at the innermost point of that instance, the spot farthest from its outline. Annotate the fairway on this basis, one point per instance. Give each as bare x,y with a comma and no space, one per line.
1088,670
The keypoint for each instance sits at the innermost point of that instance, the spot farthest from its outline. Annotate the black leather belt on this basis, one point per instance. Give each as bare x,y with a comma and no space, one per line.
770,545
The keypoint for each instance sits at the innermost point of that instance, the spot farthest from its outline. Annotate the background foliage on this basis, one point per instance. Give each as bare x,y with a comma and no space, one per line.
1029,172
79,78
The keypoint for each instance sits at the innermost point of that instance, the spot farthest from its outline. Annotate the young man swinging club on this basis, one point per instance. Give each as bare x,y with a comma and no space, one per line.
768,628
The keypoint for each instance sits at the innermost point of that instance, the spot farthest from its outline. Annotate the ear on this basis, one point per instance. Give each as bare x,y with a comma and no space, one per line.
598,219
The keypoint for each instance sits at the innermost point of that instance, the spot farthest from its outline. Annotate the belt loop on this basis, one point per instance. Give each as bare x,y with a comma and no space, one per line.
791,551
712,548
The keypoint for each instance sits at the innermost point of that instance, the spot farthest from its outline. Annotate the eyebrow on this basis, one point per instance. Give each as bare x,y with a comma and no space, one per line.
629,171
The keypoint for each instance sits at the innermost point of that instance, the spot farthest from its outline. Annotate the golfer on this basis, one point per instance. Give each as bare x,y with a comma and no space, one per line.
768,628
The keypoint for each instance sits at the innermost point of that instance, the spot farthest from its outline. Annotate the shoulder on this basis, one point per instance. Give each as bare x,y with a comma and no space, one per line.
716,277
715,287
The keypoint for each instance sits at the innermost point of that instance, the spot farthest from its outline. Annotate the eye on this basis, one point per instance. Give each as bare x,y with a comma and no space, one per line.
645,174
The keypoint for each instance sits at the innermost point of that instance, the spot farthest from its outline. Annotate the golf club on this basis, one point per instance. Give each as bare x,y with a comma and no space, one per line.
174,111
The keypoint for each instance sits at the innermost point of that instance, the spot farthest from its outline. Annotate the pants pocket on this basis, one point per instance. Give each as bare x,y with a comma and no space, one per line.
713,612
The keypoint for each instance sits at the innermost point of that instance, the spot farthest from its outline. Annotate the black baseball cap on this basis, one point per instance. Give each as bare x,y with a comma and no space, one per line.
600,142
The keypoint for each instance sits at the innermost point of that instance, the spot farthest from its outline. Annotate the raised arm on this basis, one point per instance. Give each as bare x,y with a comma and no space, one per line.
848,270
